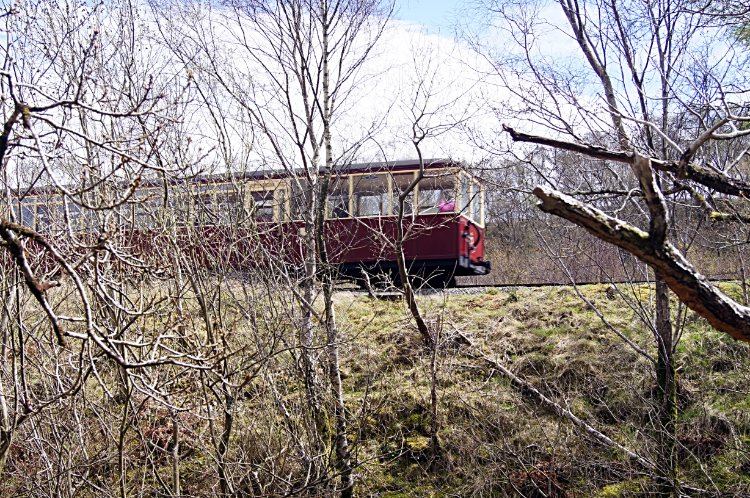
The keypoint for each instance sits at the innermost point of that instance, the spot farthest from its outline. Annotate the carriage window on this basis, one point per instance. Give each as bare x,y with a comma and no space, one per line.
227,204
371,196
262,205
49,217
338,198
43,220
476,202
437,194
144,204
283,208
401,182
27,213
75,216
82,218
88,221
465,194
298,198
204,205
179,202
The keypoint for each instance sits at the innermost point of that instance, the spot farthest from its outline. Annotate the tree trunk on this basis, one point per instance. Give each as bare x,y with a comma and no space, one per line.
411,301
6,425
321,421
434,426
343,457
175,456
666,391
121,460
6,440
226,433
743,276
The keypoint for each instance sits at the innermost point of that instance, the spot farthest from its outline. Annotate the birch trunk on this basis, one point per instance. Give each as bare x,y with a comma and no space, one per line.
334,370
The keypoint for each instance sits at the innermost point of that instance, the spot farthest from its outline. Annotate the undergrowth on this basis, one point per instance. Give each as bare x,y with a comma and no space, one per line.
498,440
494,437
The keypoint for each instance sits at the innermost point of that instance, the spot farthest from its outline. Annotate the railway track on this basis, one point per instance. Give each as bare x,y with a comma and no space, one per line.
474,288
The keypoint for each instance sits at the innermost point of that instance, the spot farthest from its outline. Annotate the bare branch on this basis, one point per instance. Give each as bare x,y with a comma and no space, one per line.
692,288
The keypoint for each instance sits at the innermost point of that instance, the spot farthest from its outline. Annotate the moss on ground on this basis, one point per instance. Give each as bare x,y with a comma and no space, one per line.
495,439
494,435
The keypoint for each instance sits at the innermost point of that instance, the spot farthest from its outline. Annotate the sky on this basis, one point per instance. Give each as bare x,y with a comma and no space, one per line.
435,15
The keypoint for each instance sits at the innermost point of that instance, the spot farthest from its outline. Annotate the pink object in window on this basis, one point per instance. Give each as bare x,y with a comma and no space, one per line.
446,206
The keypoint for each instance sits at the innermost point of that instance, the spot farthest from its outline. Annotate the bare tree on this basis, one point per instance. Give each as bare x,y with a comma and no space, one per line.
300,61
91,114
648,96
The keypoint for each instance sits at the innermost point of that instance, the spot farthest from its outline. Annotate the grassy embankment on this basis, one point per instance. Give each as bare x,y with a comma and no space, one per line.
496,438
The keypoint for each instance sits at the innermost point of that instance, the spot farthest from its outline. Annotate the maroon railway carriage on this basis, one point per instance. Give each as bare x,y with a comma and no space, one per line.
444,221
245,219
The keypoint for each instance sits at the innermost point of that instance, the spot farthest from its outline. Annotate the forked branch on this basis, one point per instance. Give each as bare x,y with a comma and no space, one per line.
693,289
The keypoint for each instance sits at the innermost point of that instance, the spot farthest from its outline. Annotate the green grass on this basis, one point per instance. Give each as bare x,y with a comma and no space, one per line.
552,338
493,435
